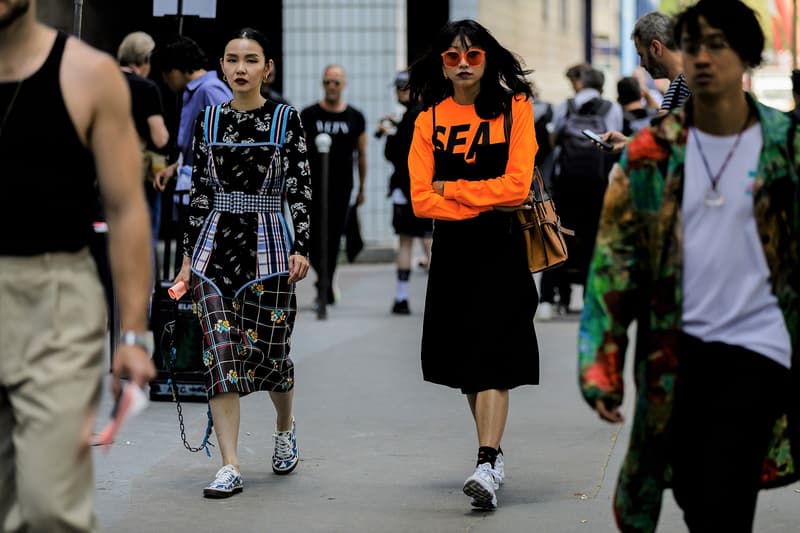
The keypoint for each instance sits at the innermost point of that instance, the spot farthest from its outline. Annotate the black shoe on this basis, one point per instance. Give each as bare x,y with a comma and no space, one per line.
400,307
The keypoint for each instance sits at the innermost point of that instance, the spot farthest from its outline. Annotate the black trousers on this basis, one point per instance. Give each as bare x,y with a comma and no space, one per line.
727,399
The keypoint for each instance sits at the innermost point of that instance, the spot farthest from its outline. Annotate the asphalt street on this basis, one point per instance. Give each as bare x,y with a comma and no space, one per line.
381,450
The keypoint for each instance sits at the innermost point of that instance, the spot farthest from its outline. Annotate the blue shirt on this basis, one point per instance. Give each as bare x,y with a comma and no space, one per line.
200,92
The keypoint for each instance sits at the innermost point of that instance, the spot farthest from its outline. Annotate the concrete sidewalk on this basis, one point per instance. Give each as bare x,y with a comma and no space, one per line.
382,451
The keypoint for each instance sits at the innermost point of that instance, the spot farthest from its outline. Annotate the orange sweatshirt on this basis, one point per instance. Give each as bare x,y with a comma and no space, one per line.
460,130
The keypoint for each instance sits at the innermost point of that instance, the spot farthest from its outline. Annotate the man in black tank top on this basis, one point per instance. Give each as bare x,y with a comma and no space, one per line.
64,116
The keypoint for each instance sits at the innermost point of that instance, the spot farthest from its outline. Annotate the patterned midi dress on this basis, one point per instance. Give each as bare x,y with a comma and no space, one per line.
249,166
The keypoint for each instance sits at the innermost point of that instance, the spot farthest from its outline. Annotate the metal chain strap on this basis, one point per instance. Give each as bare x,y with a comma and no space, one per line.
169,363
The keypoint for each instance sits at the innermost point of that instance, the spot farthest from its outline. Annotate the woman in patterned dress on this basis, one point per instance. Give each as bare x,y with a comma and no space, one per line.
240,259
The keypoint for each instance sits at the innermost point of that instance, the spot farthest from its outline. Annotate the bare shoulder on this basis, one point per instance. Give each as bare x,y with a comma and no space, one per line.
92,84
97,70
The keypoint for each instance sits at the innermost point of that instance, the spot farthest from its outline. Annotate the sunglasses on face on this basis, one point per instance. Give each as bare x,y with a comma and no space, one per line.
713,43
474,57
331,82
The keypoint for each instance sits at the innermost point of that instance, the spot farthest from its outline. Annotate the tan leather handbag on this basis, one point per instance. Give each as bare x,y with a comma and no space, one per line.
541,229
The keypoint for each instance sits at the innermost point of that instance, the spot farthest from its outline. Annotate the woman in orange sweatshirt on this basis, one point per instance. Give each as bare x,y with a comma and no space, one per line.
469,174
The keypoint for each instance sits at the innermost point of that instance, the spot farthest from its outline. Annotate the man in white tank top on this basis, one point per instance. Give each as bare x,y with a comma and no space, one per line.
698,242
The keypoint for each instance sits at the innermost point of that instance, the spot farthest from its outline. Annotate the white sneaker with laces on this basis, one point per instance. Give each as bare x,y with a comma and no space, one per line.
500,469
285,456
481,486
227,482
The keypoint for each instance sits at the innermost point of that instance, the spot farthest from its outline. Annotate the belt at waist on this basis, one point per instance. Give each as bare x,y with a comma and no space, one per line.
238,202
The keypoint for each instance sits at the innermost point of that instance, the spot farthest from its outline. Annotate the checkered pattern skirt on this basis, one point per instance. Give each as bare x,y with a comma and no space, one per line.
247,337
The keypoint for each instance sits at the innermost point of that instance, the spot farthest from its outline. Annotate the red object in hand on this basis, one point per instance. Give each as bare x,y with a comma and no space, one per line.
176,291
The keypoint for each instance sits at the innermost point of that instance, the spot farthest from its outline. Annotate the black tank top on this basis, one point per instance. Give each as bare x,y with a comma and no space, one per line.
47,176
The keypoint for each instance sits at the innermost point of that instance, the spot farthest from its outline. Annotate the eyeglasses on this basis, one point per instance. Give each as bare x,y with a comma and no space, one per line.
474,57
331,82
713,43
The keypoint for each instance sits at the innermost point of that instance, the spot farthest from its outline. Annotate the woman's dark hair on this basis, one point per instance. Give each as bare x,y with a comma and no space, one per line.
257,36
182,54
502,77
738,22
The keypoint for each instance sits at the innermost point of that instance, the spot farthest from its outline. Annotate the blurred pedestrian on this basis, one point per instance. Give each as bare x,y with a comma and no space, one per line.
148,115
698,243
580,180
471,163
65,122
406,224
660,56
635,115
183,66
346,126
242,265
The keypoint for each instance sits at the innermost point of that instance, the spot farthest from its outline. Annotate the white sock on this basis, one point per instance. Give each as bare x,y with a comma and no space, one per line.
402,290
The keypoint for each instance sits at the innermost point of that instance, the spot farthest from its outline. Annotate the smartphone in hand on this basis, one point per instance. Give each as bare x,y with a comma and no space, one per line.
595,138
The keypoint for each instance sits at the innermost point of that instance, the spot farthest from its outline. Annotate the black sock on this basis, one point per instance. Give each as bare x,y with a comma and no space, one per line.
499,450
487,454
403,275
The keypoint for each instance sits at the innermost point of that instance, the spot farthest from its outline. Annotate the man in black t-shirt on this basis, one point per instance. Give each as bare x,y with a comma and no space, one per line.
346,126
148,114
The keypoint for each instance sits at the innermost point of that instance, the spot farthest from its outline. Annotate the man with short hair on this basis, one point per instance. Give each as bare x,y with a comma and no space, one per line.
346,126
698,243
660,56
64,121
148,113
183,67
635,115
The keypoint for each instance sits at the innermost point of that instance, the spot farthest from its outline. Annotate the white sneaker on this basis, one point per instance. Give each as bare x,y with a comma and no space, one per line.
500,469
545,311
481,486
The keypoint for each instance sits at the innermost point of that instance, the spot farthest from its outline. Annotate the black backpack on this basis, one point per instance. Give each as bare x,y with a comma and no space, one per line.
579,157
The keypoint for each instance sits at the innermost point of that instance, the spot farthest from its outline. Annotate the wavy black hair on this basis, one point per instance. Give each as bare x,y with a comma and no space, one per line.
257,36
503,76
737,21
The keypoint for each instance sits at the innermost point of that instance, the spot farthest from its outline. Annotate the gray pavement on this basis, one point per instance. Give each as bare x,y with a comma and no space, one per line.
382,451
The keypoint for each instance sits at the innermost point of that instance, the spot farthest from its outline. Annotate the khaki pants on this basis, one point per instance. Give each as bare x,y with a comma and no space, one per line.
52,339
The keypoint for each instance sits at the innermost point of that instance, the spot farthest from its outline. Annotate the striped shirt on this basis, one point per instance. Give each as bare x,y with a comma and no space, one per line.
676,94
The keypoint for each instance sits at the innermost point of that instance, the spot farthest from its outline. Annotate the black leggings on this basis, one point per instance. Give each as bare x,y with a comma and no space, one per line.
727,399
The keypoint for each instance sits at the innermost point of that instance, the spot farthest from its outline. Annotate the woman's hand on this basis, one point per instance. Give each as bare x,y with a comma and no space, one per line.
298,267
527,205
185,273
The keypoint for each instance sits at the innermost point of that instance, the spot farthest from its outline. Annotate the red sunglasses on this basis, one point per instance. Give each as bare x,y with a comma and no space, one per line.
474,57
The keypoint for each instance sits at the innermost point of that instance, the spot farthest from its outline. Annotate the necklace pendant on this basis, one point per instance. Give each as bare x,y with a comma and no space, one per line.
714,198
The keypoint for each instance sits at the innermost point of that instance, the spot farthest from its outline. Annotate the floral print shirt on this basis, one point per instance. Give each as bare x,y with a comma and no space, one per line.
636,274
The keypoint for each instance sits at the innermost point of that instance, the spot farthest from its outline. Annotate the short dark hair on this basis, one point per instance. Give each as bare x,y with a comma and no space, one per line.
592,78
738,22
655,26
628,90
502,77
257,36
575,72
183,54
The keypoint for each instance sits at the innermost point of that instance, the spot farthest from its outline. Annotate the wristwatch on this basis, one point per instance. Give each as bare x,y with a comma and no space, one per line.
142,340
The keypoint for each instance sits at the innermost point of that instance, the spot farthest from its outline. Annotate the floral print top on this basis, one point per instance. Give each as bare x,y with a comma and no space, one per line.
240,167
636,274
